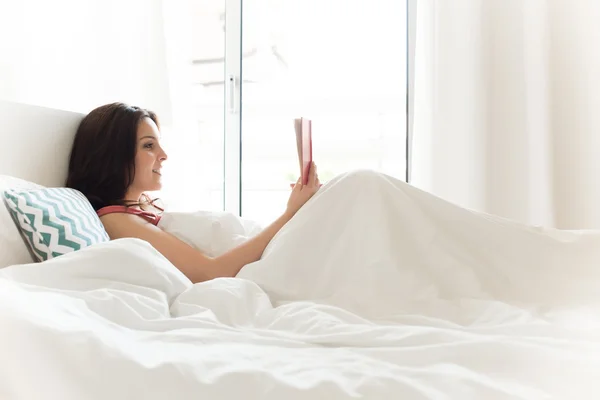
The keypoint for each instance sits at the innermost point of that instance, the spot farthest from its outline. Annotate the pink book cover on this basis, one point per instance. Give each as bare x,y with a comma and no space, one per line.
303,127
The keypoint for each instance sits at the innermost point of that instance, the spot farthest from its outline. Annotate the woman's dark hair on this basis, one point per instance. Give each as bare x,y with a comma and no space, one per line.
102,162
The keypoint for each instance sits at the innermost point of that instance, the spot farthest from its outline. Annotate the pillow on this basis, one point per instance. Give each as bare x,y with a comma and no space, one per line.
54,221
211,232
12,248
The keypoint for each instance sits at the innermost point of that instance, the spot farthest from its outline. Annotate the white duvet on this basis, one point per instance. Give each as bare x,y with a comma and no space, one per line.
373,290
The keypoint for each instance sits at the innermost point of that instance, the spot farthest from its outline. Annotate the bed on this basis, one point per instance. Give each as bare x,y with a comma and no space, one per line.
464,318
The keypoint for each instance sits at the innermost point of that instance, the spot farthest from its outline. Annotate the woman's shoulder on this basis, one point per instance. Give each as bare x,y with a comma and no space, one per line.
126,224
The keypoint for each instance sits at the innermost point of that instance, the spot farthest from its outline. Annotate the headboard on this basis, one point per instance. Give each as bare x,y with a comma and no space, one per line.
35,142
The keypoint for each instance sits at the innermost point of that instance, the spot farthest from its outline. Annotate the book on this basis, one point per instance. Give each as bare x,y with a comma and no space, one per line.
303,128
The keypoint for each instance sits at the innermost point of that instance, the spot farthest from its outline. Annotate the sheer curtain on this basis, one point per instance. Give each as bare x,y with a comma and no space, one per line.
507,108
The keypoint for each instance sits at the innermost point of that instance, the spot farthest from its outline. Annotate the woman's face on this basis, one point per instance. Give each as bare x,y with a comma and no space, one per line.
148,159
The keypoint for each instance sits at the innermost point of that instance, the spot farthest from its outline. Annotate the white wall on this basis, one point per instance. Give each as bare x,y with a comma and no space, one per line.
79,54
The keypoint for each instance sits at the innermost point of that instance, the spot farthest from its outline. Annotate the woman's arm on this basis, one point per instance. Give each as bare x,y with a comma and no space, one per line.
193,263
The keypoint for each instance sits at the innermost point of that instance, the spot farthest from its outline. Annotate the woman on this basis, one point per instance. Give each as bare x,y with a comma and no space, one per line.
369,242
117,157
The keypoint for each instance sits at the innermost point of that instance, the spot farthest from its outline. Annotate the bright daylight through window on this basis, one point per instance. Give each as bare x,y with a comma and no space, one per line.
341,63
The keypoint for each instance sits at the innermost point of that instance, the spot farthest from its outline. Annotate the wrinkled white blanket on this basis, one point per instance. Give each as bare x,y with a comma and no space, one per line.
373,290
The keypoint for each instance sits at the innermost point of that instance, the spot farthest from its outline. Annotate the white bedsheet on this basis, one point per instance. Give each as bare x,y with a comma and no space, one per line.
374,290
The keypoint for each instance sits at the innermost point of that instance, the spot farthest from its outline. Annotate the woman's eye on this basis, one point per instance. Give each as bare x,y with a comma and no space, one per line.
149,145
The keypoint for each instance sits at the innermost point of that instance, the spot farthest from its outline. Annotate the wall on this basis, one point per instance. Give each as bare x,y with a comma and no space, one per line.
76,55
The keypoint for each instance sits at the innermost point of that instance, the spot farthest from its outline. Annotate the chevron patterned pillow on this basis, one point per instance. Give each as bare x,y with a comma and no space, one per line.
54,221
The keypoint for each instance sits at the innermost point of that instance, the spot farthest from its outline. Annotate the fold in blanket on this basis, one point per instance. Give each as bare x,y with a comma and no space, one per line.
378,246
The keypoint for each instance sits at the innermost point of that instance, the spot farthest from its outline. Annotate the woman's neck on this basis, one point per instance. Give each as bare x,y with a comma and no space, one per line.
132,197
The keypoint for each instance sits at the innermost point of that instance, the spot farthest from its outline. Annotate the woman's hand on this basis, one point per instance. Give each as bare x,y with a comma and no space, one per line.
302,193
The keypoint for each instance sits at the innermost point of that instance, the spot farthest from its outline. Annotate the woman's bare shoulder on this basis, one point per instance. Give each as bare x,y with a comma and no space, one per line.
120,225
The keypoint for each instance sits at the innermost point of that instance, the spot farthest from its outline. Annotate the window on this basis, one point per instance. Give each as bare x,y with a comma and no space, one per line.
258,64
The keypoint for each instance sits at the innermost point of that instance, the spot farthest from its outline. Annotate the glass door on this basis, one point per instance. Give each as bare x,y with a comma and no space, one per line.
240,71
341,63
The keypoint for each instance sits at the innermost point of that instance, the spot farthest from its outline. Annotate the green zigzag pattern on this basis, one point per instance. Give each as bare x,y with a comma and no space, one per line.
72,225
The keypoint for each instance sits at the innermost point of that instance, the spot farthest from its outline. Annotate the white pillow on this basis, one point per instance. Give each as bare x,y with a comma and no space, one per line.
211,232
12,246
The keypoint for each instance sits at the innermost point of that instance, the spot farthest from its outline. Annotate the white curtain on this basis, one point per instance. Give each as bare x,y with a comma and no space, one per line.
507,108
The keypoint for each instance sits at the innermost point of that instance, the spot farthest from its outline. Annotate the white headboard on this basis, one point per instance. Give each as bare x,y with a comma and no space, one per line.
35,142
